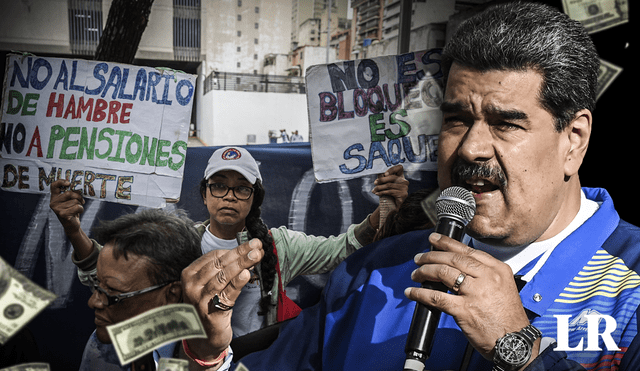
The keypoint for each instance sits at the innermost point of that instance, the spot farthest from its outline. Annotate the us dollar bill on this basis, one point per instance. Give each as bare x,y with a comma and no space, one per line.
28,367
429,206
608,72
20,301
597,15
152,329
172,364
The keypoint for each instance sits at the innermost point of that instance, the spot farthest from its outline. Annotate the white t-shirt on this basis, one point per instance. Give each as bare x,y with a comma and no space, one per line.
518,259
245,316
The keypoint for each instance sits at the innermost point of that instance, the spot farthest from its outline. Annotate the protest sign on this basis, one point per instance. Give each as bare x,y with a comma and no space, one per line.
369,114
117,132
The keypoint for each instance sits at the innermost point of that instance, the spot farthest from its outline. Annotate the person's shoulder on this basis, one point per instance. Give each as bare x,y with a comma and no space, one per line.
624,242
201,226
391,251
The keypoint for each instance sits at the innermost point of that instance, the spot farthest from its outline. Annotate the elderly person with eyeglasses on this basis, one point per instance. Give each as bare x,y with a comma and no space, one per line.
138,269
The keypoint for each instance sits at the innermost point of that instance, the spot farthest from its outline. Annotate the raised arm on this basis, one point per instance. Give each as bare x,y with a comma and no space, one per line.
68,206
393,184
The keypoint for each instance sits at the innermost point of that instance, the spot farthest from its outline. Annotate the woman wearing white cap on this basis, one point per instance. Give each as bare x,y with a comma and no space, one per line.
233,192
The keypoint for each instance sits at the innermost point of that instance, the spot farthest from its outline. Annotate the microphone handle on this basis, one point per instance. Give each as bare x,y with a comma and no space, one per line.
425,317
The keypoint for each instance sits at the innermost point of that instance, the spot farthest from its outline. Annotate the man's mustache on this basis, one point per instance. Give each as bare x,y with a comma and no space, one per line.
463,171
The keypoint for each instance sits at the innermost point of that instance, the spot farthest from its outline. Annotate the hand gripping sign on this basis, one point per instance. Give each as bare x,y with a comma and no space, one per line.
117,132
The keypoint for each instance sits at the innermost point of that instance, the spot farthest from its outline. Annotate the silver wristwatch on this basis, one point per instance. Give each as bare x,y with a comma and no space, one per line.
514,349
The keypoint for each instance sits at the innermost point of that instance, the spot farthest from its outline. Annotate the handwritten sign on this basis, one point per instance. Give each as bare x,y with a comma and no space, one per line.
117,132
369,114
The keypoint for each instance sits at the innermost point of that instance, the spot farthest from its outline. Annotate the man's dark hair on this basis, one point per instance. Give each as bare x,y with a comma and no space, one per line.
168,240
528,36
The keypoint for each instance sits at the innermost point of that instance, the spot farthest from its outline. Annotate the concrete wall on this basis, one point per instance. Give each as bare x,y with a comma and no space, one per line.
227,117
36,26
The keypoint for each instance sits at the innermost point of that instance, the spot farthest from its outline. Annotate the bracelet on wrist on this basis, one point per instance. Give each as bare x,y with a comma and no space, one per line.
201,362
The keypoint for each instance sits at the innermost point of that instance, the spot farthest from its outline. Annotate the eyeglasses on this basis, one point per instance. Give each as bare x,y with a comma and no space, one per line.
219,190
115,299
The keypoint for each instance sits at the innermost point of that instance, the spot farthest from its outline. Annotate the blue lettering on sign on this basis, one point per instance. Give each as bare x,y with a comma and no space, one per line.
107,79
100,67
365,76
397,151
32,74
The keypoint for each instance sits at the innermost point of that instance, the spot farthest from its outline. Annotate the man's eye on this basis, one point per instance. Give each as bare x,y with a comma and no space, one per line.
508,126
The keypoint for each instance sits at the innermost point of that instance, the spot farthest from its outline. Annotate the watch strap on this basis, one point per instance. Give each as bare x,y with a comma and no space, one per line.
531,333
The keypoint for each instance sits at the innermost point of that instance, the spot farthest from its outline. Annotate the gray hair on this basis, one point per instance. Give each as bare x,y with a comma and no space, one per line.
169,241
522,36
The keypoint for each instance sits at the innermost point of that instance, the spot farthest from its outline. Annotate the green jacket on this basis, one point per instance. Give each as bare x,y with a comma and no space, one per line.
301,254
298,254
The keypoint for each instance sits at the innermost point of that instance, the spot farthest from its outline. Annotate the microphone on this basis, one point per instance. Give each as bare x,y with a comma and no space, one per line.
455,207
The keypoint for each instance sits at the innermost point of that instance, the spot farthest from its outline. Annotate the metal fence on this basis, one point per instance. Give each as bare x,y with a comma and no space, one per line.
85,25
186,30
254,83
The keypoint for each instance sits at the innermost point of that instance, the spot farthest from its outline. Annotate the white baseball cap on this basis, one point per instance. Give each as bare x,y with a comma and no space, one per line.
233,158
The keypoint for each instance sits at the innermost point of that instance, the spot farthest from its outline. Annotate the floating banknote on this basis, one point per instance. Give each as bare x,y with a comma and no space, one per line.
429,206
20,301
150,330
608,72
28,367
597,15
172,364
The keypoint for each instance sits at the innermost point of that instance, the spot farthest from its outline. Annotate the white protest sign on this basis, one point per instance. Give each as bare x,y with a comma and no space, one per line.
117,132
370,114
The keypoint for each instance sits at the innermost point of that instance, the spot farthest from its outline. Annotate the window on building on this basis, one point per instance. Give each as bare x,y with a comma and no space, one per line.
239,2
85,25
257,9
186,30
239,48
239,33
239,17
255,56
255,41
255,25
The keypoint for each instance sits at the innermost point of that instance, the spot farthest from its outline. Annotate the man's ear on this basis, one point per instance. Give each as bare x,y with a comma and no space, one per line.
173,292
578,132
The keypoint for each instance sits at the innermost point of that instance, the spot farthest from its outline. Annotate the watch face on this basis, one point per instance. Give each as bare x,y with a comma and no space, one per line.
513,349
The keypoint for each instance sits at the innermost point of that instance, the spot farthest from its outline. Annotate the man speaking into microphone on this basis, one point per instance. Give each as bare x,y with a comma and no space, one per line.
546,278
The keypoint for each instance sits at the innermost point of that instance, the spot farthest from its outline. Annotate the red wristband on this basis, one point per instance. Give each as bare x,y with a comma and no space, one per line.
201,362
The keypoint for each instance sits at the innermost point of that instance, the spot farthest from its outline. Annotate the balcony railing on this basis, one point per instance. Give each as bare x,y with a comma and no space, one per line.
254,83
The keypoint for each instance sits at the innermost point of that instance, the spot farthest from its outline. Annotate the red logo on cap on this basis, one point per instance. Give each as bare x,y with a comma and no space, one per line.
231,154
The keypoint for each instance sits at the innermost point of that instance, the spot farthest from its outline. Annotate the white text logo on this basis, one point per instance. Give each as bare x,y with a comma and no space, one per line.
589,320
